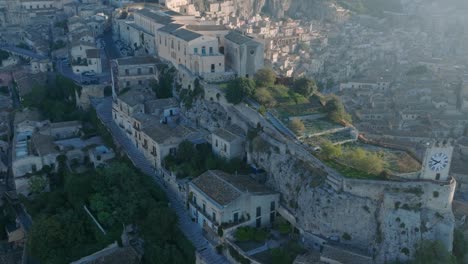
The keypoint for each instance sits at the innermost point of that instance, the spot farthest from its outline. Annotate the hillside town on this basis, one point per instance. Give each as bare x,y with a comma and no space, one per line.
233,131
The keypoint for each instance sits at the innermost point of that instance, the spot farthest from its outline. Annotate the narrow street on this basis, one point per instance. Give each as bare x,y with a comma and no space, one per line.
190,229
23,217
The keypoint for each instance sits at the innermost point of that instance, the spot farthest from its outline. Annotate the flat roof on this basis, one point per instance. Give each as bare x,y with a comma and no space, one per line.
161,104
137,60
44,144
93,53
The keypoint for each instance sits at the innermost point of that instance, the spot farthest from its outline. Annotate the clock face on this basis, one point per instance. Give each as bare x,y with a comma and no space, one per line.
438,161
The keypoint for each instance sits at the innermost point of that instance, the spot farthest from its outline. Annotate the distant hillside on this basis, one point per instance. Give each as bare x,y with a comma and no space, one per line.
321,9
371,7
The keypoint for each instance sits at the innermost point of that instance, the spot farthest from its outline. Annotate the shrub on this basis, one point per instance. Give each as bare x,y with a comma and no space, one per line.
262,110
247,233
432,252
405,251
305,87
265,77
460,245
336,110
330,151
219,249
238,89
264,97
397,205
346,236
284,228
365,161
297,126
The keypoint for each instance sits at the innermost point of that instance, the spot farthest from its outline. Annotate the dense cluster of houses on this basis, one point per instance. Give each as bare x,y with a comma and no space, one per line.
37,144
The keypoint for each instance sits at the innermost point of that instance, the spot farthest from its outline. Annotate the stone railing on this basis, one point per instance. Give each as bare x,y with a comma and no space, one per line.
241,253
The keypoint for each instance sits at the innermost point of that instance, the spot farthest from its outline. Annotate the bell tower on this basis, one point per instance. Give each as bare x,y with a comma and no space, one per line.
436,163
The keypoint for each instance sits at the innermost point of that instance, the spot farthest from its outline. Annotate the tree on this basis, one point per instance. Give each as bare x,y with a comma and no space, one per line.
432,252
330,151
55,99
4,55
305,87
336,110
78,188
108,90
297,126
238,89
198,90
163,87
365,161
37,184
46,240
265,77
264,97
460,246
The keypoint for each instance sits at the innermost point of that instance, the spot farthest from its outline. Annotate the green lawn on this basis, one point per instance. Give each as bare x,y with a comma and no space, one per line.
352,173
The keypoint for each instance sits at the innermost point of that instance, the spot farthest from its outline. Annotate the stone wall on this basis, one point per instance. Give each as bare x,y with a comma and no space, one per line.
359,213
88,92
364,210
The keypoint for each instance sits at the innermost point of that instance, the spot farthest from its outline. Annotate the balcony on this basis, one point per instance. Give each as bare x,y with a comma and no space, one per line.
205,215
79,62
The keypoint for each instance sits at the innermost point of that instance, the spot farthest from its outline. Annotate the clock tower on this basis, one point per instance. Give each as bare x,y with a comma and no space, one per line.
436,164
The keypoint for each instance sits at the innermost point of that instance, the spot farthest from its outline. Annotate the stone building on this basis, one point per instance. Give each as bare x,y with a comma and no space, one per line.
160,140
188,49
227,143
217,197
136,72
244,55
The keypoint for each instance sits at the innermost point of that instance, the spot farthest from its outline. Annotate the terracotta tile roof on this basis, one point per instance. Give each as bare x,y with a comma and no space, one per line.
225,188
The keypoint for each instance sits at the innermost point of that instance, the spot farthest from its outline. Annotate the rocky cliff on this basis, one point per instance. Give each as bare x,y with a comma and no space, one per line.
318,9
383,219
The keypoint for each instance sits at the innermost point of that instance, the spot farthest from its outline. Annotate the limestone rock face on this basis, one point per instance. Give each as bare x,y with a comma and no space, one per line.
318,209
318,9
383,218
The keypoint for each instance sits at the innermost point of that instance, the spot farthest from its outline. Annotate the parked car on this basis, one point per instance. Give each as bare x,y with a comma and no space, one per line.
88,73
